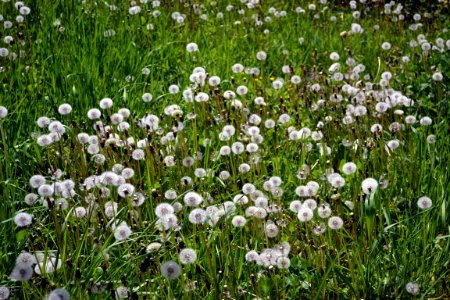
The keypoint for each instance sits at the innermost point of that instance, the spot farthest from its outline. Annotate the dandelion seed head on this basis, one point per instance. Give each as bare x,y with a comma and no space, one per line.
3,51
192,199
116,118
315,87
412,288
122,232
21,273
248,188
169,161
426,121
295,206
277,84
37,180
187,256
46,190
125,190
386,46
109,178
56,127
395,127
283,248
188,162
94,114
106,103
252,256
269,123
310,203
170,270
83,138
369,186
252,148
153,247
31,198
386,75
3,112
261,201
271,230
431,139
350,205
99,159
349,168
214,81
237,68
268,257
170,194
147,97
334,56
426,46
244,168
223,136
59,294
163,209
173,89
43,122
198,216
424,202
229,129
93,139
286,69
335,222
376,128
4,292
283,262
168,221
61,204
302,191
134,10
324,210
224,175
25,259
80,212
238,221
191,47
356,28
261,55
127,173
138,154
360,110
284,118
137,199
186,181
393,144
200,172
305,214
225,151
319,229
122,292
251,210
336,180
241,90
253,130
237,148
64,109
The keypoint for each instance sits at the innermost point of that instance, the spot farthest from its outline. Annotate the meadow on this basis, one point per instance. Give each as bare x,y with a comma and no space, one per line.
236,149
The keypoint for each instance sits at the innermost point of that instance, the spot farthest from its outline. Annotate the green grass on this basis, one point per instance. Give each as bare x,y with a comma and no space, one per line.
386,241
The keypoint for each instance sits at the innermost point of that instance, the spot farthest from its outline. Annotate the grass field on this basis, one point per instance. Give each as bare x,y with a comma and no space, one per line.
224,149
